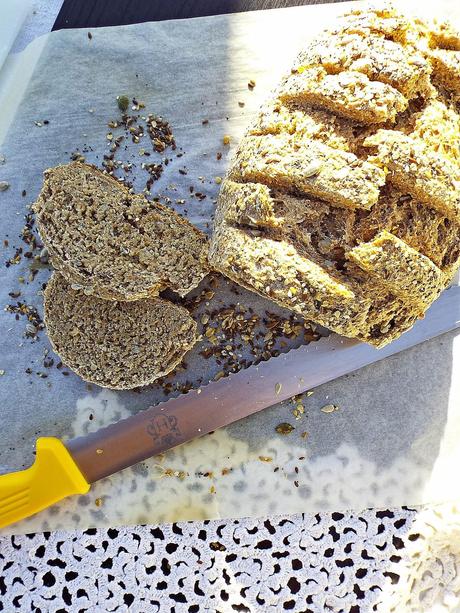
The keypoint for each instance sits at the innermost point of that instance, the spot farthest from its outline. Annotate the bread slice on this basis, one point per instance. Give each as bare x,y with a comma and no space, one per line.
278,270
421,227
383,60
446,67
379,22
296,255
445,36
310,167
342,203
351,94
120,345
113,244
403,269
416,169
438,126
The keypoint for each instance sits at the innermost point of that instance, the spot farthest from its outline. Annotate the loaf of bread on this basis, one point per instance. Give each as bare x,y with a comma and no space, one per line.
113,244
120,345
343,200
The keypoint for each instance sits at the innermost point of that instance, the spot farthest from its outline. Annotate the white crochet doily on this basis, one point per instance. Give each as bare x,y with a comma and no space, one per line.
403,560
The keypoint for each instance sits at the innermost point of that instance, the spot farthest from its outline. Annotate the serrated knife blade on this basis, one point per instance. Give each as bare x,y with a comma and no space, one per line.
178,420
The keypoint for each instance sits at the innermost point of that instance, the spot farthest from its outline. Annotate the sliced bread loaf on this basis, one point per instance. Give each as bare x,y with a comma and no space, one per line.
113,244
343,201
120,345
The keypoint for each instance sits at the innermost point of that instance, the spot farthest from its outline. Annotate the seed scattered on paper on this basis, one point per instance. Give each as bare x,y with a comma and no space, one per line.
31,330
264,458
226,139
44,256
278,387
123,103
298,411
284,428
329,408
76,156
4,185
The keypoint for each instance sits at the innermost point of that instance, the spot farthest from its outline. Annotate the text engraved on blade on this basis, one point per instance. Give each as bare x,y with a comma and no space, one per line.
164,428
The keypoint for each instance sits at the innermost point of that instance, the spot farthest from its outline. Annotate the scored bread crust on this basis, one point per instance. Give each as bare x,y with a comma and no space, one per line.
114,244
119,345
343,199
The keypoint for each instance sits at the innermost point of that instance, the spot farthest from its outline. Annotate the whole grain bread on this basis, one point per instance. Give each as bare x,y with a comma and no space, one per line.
113,244
343,200
120,345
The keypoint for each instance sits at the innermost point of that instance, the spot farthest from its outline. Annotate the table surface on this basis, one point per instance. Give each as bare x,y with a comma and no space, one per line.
305,563
87,13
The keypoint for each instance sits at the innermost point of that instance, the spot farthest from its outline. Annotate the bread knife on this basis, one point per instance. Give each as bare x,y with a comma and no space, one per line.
64,469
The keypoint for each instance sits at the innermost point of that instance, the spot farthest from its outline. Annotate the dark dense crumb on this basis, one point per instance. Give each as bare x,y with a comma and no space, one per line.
119,345
158,133
116,256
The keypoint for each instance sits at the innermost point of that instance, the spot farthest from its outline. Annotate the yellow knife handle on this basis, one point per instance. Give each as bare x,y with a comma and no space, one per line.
53,476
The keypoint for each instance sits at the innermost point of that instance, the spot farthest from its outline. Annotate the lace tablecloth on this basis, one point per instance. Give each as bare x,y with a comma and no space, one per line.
401,560
376,560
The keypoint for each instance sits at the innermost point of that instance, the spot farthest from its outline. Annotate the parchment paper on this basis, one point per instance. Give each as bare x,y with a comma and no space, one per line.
395,438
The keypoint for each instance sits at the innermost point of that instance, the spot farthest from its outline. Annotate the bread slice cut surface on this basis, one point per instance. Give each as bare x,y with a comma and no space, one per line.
119,345
114,244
